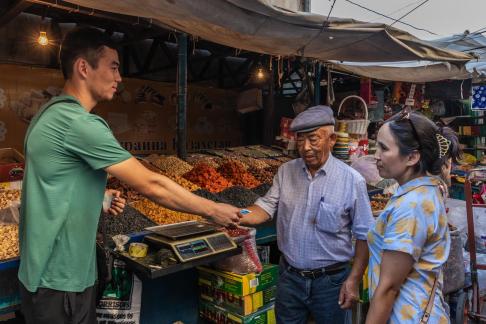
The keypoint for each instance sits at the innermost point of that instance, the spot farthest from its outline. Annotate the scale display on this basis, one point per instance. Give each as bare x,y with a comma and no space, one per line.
195,247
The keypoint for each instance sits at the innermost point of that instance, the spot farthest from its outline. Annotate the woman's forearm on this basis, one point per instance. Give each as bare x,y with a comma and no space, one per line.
381,305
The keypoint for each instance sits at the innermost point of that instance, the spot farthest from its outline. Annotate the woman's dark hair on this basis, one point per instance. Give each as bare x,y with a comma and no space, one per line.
85,42
413,131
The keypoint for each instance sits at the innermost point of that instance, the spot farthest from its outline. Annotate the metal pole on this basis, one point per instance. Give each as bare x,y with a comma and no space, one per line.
181,136
307,5
317,84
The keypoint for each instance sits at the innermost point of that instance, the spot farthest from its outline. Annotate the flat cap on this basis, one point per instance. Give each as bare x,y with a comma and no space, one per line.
312,118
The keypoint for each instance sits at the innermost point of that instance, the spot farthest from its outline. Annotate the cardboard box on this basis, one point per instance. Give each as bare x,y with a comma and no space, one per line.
12,165
241,305
239,285
215,314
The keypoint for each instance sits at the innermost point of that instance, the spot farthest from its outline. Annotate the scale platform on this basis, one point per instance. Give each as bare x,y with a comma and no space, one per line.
190,240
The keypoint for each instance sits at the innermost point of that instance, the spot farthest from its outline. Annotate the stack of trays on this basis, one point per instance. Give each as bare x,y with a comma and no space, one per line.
341,148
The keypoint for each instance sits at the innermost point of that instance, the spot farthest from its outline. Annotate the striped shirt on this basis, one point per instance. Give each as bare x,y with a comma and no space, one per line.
317,216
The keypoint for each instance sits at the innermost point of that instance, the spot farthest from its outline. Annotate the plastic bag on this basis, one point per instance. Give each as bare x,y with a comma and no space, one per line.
454,266
9,213
247,261
480,259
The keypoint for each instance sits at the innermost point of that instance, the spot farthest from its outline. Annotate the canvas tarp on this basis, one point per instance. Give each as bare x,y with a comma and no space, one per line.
257,25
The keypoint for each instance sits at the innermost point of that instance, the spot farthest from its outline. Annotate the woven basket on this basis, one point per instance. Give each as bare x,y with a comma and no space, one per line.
355,126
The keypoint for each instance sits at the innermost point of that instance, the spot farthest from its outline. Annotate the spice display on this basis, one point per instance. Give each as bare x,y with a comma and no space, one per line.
185,183
236,171
209,195
7,197
130,221
262,189
162,215
239,196
212,161
273,162
150,166
218,153
171,165
268,151
126,191
262,175
9,241
208,178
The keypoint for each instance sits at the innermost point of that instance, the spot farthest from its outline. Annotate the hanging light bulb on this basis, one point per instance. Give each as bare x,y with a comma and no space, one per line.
43,40
260,74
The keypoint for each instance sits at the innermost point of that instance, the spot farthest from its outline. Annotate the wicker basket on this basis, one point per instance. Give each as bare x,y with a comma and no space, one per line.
355,126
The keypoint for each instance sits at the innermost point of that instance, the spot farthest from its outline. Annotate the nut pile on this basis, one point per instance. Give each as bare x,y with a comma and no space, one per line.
252,162
171,165
207,178
236,171
239,196
9,241
212,161
162,215
272,162
262,190
7,197
268,151
150,166
129,221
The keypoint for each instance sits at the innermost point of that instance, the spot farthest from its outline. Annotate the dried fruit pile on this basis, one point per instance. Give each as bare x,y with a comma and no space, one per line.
272,162
209,195
127,222
7,197
162,215
9,241
262,175
236,171
207,178
262,190
252,162
170,165
126,191
239,196
185,183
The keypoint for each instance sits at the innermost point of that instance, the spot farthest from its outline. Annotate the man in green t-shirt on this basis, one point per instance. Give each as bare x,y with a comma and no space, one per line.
69,152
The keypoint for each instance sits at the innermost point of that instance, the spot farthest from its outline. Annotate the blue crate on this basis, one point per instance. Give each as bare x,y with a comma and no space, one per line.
9,285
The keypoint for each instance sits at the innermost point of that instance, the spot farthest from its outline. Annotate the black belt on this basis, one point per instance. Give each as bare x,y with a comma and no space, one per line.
316,273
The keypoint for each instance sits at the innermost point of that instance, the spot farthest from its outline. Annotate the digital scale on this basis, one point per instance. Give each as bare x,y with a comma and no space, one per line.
190,240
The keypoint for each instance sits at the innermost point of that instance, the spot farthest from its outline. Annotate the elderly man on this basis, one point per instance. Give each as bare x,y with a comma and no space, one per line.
320,203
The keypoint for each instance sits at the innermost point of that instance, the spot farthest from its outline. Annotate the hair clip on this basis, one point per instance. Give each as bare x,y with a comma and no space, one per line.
444,144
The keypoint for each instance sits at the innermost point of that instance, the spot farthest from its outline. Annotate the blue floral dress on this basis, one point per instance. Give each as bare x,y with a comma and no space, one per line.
413,222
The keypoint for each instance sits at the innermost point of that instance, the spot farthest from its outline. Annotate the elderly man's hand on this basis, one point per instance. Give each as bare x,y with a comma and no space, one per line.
349,293
226,215
117,204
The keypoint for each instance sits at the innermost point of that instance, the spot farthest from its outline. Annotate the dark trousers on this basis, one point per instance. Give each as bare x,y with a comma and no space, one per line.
298,298
48,306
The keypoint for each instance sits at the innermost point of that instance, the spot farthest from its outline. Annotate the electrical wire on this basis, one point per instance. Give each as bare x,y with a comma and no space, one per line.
391,18
400,9
329,14
408,13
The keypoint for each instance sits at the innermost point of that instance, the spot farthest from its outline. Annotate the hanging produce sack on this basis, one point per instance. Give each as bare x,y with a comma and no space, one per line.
454,267
247,261
122,298
355,125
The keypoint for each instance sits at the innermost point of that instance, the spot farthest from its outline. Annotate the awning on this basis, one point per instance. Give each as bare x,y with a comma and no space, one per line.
256,25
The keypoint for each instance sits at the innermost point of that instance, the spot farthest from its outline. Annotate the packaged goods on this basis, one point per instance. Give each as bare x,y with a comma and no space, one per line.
207,178
247,261
216,314
239,285
236,172
241,305
162,215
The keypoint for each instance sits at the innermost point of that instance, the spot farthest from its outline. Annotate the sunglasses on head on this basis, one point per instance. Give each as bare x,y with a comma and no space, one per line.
405,115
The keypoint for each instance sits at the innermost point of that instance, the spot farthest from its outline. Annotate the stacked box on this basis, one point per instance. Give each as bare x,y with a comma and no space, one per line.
215,314
227,297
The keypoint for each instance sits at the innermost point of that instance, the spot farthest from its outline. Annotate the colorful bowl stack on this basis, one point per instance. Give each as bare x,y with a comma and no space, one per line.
341,148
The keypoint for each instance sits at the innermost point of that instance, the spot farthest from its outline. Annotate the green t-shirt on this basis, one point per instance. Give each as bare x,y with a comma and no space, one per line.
66,151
